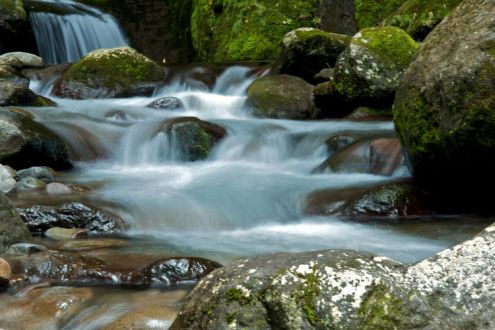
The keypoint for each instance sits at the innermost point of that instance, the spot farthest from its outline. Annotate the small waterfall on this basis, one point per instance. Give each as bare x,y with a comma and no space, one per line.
72,30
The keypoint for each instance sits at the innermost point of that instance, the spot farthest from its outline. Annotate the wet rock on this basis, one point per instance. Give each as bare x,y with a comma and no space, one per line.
7,182
444,108
370,114
27,59
307,51
12,228
21,249
419,18
192,138
368,72
282,96
348,290
381,156
30,183
5,273
41,173
42,308
25,143
71,215
61,234
108,73
91,244
167,103
58,189
330,202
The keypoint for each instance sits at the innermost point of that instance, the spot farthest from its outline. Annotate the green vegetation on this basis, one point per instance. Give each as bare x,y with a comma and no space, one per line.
370,13
380,310
13,9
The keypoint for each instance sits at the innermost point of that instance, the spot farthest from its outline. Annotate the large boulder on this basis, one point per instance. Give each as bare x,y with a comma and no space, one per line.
419,17
12,228
444,111
307,51
27,59
25,143
107,73
281,96
369,70
237,30
349,290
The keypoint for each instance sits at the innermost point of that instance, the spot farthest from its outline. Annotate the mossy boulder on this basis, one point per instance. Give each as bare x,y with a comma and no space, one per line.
307,51
191,138
282,96
419,17
370,13
341,289
25,143
369,70
107,73
240,30
444,111
12,228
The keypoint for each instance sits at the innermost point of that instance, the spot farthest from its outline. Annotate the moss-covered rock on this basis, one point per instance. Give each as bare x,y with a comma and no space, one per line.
348,290
370,13
369,70
282,96
191,138
25,143
444,111
106,73
239,30
12,13
307,51
419,17
12,229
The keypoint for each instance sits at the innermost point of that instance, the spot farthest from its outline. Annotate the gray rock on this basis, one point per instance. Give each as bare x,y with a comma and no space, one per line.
349,290
55,188
41,173
30,183
21,249
12,228
7,182
27,59
167,103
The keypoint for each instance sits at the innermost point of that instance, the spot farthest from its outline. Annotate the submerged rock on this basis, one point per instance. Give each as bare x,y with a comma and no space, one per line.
71,215
349,290
167,103
62,234
282,96
25,143
107,73
307,51
41,173
21,249
12,228
444,111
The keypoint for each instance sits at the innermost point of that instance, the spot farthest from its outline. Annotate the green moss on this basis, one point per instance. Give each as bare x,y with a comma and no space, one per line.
114,67
234,294
419,17
13,9
389,44
380,310
237,30
310,292
370,13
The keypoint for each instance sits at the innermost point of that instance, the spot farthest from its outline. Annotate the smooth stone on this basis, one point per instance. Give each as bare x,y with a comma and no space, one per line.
27,59
58,233
55,188
167,103
5,269
21,249
7,182
41,173
91,244
30,183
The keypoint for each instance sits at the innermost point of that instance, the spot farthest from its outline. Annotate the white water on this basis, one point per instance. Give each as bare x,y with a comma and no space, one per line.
66,38
246,198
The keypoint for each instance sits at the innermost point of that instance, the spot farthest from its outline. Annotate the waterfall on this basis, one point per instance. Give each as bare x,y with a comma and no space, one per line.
71,30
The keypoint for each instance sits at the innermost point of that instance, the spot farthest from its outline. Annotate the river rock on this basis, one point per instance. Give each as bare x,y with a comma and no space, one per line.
25,143
307,51
62,234
5,269
108,73
12,228
340,289
7,182
30,183
282,96
369,70
167,103
370,114
55,188
418,18
41,173
191,137
21,249
444,111
27,59
70,215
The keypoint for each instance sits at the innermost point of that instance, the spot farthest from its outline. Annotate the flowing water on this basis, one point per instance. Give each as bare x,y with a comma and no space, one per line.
71,30
247,198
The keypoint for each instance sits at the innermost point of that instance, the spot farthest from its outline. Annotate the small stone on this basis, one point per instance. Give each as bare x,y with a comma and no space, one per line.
20,249
58,189
5,269
30,183
61,234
